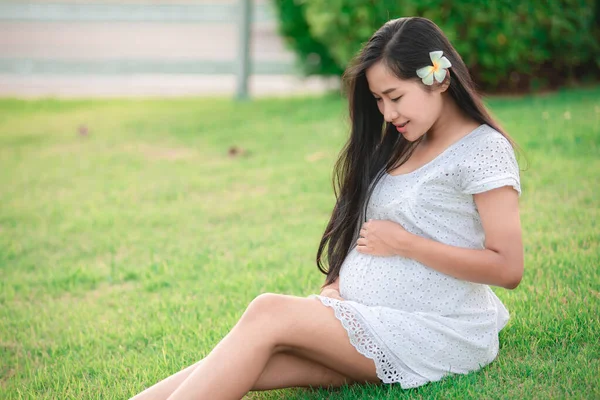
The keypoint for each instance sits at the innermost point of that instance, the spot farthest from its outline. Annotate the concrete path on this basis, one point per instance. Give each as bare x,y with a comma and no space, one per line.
161,85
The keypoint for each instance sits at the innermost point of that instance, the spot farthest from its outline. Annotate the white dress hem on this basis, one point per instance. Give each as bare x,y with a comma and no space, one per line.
367,343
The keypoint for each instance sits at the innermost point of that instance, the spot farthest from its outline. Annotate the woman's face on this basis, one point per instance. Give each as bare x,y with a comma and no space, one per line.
405,103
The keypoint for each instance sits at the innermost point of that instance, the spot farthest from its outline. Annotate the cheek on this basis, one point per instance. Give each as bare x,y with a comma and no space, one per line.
415,110
425,108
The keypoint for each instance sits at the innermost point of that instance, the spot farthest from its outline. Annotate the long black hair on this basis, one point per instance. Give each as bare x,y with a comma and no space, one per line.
374,146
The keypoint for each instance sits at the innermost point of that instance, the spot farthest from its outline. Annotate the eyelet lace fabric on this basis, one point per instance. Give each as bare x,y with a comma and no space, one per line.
367,344
417,324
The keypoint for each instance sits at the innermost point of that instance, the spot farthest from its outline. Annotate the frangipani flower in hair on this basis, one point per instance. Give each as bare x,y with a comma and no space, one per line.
437,70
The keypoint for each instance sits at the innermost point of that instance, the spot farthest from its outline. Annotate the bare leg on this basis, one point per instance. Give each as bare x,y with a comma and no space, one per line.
285,370
272,325
164,388
282,371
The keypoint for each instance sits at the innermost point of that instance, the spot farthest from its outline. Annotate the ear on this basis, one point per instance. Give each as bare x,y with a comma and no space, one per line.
446,83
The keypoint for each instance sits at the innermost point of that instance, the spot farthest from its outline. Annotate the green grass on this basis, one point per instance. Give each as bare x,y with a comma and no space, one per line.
127,254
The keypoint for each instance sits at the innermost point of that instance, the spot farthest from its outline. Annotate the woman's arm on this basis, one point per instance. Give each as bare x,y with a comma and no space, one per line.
499,264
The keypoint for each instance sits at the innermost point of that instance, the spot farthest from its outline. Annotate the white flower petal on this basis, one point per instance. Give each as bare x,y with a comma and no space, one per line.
435,55
440,75
444,63
423,72
428,80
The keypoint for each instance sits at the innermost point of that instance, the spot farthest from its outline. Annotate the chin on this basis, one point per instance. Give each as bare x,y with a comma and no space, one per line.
411,137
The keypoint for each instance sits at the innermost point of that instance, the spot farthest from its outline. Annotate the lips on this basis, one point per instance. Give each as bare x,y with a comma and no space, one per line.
402,127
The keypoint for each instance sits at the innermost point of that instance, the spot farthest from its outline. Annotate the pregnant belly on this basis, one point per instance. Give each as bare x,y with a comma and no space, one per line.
397,282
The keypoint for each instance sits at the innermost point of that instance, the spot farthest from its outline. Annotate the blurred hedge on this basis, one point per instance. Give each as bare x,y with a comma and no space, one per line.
313,54
508,46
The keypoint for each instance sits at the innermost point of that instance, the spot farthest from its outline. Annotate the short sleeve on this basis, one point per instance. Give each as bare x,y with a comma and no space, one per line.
490,164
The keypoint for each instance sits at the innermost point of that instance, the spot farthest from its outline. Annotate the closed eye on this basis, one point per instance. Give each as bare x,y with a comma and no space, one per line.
378,99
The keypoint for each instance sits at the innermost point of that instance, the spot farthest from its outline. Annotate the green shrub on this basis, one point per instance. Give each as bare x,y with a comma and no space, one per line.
314,57
507,45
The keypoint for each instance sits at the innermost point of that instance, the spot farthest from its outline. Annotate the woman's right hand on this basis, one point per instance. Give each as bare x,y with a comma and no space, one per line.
332,293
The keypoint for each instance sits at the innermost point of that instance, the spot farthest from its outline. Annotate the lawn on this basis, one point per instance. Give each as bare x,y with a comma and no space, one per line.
133,234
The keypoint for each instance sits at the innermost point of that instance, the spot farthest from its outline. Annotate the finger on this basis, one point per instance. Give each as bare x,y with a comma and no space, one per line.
362,249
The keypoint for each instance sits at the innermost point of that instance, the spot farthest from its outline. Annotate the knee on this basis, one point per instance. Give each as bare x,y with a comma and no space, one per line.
264,306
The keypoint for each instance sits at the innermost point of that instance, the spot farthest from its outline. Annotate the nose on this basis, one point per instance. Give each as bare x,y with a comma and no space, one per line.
389,114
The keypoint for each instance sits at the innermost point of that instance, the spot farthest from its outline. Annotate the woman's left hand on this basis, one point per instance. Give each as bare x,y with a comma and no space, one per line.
381,238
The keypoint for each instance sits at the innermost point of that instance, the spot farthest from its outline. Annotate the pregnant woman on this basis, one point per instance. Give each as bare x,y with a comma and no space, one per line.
426,218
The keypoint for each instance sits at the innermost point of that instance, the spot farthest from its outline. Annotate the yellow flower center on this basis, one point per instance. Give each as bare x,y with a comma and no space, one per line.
436,66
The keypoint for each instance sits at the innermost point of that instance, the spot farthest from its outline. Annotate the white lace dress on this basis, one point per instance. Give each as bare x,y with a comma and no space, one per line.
417,324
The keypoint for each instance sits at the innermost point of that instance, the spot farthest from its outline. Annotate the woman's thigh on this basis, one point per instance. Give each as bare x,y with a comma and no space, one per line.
307,328
285,370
